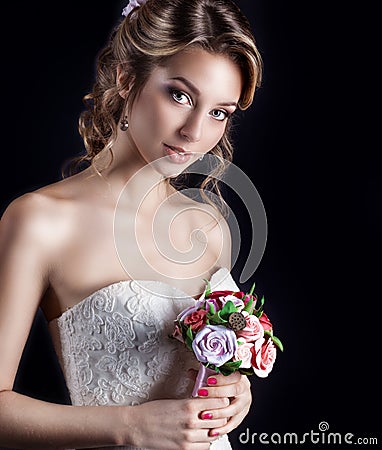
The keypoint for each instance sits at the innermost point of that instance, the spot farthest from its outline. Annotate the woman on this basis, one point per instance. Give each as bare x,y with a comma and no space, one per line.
115,251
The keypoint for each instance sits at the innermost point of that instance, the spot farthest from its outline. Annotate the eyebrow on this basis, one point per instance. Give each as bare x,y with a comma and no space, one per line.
188,83
193,88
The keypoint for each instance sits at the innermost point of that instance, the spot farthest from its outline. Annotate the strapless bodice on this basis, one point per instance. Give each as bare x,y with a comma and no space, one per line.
115,346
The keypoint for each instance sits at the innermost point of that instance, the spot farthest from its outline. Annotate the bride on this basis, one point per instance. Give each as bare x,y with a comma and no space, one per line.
114,251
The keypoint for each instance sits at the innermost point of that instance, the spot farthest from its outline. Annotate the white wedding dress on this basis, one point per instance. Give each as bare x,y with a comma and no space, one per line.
114,346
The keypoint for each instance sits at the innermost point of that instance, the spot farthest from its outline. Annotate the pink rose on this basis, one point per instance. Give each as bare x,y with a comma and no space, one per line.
244,353
196,319
263,357
247,298
265,322
253,330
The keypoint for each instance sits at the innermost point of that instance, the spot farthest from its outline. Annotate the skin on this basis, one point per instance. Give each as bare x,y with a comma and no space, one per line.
51,240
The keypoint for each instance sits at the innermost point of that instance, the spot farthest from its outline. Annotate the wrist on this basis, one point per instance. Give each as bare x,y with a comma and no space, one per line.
124,426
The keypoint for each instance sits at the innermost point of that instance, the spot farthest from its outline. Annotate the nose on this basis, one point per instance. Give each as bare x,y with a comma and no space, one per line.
192,128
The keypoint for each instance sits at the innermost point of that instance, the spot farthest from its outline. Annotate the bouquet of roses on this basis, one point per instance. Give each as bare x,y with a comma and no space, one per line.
228,331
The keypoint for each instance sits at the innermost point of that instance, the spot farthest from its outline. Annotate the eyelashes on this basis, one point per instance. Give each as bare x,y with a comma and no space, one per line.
183,98
180,97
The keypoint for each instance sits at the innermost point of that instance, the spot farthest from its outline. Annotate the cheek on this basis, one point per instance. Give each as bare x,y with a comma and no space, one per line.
153,115
214,133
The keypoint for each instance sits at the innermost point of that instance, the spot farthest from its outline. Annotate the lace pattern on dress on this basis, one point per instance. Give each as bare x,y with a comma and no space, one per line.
116,348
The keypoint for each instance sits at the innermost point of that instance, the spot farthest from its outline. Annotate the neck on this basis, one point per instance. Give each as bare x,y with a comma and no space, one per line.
129,178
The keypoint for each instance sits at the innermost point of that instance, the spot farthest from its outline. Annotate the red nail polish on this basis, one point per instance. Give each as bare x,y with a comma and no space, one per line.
203,392
212,380
207,416
214,434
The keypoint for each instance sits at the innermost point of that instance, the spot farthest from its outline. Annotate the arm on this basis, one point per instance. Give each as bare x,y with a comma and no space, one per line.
28,248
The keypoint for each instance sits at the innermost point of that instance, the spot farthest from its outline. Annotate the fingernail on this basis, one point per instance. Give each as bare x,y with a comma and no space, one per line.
214,434
212,380
203,392
206,416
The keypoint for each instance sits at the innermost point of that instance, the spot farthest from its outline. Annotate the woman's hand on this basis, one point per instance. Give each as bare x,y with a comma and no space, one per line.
237,388
175,424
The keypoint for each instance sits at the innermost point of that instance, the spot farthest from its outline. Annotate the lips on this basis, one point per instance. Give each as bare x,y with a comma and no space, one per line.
179,150
177,155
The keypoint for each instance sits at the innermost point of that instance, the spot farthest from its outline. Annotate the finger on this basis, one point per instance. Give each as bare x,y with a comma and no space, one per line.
221,380
190,439
228,390
231,425
207,424
199,436
232,410
202,403
236,413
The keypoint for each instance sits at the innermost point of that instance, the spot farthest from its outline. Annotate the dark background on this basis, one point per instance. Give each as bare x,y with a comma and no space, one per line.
306,143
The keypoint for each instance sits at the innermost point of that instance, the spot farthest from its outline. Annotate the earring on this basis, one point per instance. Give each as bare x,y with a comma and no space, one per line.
201,157
124,125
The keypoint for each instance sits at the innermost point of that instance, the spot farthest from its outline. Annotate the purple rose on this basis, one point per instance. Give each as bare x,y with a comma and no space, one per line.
215,344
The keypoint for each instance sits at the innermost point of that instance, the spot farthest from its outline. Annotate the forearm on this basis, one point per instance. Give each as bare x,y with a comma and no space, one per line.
27,423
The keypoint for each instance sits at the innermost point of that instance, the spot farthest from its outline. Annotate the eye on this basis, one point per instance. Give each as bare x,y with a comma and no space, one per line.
220,114
180,97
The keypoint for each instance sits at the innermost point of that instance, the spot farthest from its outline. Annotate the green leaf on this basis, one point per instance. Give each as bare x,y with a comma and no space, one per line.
216,319
207,291
248,306
228,309
278,343
252,289
258,312
212,367
212,309
190,334
246,371
230,367
232,364
188,343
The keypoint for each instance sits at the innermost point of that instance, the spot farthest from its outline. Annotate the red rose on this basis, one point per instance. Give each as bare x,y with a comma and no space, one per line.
239,294
197,319
217,294
265,322
218,297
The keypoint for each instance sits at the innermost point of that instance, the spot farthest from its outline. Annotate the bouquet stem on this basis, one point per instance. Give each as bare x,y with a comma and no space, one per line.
201,379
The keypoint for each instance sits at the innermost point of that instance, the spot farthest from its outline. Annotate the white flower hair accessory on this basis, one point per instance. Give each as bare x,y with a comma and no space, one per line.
132,5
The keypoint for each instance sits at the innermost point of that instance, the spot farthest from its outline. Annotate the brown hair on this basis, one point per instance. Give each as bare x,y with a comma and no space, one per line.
142,42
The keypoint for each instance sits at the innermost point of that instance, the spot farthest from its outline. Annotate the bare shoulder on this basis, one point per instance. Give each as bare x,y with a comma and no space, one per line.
36,216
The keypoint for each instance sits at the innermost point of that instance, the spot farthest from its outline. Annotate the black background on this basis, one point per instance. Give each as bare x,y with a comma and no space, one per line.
306,143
